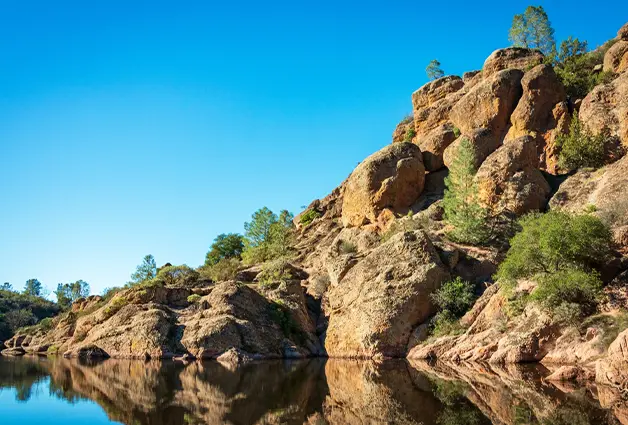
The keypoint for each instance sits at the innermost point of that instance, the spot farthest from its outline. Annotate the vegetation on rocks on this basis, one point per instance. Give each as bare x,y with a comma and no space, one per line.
580,148
532,29
19,310
454,299
267,236
309,216
461,205
226,246
433,70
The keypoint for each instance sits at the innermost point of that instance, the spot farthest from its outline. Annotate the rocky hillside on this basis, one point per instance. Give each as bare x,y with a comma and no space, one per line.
371,255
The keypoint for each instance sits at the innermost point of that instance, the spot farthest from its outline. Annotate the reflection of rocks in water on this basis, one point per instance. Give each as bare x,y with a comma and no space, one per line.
516,394
331,392
375,393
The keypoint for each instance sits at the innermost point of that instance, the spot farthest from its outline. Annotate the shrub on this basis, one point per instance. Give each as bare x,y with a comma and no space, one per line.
456,131
108,293
445,323
580,148
309,216
569,292
176,276
347,247
454,299
225,269
555,241
320,284
283,317
46,324
194,298
462,209
455,296
274,271
20,319
410,133
114,306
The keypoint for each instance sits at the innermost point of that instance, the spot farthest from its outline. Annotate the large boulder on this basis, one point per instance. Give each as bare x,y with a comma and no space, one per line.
433,146
391,179
605,109
432,103
375,307
622,34
511,58
616,58
489,103
509,181
483,142
541,113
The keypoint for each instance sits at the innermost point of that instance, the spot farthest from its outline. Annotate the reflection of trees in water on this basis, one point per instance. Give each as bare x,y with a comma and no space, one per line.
21,375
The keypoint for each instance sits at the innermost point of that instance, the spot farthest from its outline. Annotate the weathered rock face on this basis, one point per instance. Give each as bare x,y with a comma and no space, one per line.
606,108
616,58
541,113
508,179
391,178
433,146
375,307
435,90
483,142
613,370
489,104
511,58
605,189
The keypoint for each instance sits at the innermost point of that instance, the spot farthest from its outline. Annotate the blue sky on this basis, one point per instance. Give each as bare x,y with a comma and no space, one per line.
133,127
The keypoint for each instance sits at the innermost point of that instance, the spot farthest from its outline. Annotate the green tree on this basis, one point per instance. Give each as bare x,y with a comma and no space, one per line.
33,287
182,275
580,148
225,246
570,49
267,236
533,29
67,293
16,319
6,286
145,271
462,209
434,70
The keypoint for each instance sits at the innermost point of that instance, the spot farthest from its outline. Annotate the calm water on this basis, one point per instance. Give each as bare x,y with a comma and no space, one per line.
60,391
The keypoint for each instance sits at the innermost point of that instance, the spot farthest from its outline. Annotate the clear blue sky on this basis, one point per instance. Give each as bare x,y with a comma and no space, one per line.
133,127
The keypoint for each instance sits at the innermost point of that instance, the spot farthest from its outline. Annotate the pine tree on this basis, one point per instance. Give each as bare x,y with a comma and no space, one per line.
533,29
434,70
145,271
462,209
33,287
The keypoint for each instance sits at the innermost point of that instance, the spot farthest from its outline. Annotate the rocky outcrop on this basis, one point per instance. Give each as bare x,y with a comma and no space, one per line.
390,179
605,109
432,103
616,58
509,181
159,322
489,104
376,306
404,130
542,113
511,58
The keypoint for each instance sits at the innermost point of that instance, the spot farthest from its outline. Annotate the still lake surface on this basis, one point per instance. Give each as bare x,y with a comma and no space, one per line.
55,391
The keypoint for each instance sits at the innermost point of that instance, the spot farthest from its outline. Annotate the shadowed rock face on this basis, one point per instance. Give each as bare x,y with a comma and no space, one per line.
313,392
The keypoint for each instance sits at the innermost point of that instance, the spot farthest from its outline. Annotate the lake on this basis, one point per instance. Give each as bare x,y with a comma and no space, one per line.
131,392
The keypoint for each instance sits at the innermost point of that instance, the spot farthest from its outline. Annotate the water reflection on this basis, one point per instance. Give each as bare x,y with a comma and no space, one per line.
311,392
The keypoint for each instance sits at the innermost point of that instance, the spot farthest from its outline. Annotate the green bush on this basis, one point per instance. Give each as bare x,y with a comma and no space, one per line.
114,306
462,209
445,323
455,296
223,270
268,236
410,133
580,148
347,247
46,324
555,241
309,216
281,315
565,288
194,298
274,271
